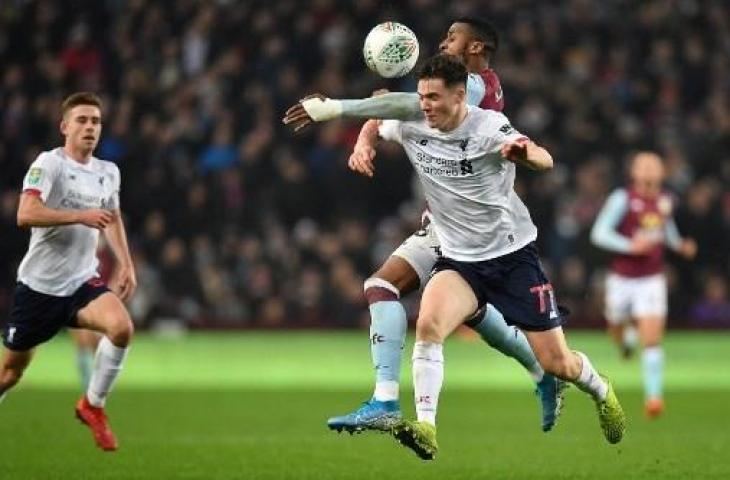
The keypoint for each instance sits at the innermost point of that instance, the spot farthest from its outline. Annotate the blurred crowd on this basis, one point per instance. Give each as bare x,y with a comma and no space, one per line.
235,221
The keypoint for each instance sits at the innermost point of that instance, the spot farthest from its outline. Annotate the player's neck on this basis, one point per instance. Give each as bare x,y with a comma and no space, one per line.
456,120
81,156
647,192
476,64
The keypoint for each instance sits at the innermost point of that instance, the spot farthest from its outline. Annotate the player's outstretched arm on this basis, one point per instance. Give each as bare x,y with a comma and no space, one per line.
32,212
317,108
125,282
528,154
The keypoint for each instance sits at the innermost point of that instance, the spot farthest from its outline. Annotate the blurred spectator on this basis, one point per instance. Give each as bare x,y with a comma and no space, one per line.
712,310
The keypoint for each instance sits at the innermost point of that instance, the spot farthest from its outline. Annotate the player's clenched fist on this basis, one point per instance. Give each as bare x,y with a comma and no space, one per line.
515,151
96,218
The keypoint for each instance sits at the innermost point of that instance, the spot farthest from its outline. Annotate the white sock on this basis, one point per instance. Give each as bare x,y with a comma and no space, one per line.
108,364
2,396
428,377
589,380
386,390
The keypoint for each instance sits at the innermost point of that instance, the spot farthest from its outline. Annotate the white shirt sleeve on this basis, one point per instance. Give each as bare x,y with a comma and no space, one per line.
501,131
41,175
114,200
391,130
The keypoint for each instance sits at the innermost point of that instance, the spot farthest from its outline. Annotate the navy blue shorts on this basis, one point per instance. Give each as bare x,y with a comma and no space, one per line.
515,284
36,317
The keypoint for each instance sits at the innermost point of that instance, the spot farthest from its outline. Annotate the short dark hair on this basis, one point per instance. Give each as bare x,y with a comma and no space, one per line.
446,67
484,31
80,98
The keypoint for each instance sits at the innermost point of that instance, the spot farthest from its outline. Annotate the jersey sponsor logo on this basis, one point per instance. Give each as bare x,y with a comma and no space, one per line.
466,167
34,176
665,206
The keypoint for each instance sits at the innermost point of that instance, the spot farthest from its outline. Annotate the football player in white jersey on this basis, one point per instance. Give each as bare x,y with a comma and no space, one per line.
474,41
68,197
466,160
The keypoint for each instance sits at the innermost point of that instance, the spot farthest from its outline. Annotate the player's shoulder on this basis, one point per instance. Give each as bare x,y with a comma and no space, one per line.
490,120
106,166
50,157
619,194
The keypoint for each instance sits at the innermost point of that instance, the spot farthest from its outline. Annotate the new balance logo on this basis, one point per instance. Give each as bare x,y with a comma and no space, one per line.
506,128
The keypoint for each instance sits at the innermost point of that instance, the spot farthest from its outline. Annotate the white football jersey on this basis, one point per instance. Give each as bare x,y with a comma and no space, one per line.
61,258
467,183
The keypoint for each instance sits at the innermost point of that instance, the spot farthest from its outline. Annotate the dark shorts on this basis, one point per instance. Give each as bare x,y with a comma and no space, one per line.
36,317
515,284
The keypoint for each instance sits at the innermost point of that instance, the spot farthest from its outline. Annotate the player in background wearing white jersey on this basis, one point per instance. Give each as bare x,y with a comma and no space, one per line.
636,224
474,41
466,160
68,197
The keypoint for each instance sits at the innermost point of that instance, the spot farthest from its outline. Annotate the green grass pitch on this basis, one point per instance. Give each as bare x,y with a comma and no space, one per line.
254,406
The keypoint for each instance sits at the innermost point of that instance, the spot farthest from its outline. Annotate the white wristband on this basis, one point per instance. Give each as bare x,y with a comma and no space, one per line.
322,110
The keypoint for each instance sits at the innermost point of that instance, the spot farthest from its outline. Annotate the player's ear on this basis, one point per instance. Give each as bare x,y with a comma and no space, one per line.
63,126
476,47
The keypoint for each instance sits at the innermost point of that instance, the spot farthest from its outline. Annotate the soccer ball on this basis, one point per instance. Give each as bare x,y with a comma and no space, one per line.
391,49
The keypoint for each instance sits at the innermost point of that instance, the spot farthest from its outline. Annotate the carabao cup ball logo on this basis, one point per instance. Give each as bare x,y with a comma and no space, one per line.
391,49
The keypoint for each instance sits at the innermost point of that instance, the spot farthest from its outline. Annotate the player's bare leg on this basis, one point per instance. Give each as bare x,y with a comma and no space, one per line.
556,358
625,337
12,367
86,342
105,314
448,301
651,332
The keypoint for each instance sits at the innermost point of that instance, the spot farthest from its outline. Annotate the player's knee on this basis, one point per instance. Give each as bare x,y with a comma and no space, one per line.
120,331
380,290
9,377
428,329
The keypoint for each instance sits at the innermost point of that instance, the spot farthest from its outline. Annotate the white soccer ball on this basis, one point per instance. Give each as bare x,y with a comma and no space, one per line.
391,49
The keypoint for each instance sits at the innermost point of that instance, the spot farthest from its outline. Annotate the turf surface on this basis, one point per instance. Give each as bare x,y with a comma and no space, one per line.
253,406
